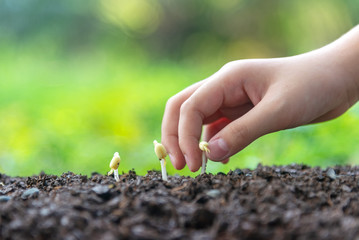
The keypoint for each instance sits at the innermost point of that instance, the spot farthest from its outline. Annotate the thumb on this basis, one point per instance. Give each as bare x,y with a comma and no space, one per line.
264,118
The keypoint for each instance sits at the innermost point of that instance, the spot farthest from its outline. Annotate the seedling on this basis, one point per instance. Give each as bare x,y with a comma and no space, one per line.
161,154
204,147
114,164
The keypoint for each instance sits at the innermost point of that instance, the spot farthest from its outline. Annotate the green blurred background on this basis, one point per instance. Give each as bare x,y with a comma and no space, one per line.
80,80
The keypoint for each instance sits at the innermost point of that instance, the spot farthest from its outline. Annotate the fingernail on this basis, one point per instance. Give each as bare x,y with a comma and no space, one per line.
218,149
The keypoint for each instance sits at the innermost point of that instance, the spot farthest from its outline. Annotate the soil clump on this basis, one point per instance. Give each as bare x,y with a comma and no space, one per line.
278,202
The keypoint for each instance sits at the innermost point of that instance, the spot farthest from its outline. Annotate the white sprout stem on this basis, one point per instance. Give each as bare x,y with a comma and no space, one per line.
163,168
204,163
116,175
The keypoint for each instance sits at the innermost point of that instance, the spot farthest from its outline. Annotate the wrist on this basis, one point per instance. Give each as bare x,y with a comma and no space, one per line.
344,54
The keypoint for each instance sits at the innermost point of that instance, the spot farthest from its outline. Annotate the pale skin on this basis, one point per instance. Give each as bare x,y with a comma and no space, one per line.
247,99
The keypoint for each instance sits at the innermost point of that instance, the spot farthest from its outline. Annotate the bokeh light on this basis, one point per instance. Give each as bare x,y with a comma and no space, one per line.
137,17
79,81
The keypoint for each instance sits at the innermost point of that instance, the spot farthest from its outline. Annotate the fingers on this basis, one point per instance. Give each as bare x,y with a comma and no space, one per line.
217,124
223,94
213,128
205,102
170,125
260,120
230,113
225,161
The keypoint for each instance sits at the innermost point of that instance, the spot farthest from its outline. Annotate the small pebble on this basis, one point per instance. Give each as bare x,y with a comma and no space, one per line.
331,174
30,193
4,199
100,190
213,193
138,181
345,188
238,171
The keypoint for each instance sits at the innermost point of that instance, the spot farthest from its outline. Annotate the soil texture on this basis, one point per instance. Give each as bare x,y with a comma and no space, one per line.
279,202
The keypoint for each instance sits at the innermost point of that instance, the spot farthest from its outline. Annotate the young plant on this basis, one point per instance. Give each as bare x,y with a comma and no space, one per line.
161,154
204,147
114,164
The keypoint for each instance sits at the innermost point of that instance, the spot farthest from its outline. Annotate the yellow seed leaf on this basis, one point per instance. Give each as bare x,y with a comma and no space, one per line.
160,150
115,162
204,146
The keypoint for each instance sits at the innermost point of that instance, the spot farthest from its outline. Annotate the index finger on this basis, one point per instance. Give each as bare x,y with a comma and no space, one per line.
204,102
170,125
224,89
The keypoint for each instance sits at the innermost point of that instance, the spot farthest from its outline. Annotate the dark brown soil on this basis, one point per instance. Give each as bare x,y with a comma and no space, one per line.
288,202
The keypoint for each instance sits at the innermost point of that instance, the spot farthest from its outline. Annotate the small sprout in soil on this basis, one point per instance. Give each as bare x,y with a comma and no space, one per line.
115,162
204,147
161,155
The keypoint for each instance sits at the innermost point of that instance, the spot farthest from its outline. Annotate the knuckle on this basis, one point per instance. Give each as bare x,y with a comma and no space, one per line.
171,102
243,66
229,65
185,107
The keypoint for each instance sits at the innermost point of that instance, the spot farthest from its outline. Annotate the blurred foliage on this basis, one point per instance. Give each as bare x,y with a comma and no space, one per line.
81,80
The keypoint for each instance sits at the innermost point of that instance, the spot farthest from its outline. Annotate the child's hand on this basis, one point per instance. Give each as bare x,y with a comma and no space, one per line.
247,99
